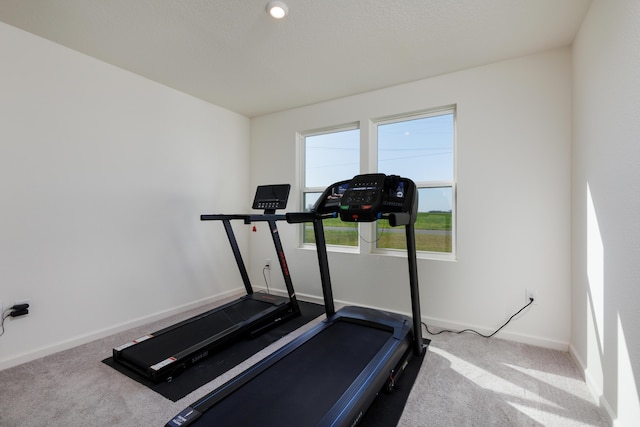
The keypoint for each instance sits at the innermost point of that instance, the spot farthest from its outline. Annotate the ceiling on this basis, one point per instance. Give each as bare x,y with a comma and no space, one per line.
232,54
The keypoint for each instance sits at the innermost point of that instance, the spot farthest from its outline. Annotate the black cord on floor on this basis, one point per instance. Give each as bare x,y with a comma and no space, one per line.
266,282
476,332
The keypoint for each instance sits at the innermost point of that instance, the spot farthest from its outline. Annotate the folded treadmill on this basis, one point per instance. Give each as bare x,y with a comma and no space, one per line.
161,355
331,374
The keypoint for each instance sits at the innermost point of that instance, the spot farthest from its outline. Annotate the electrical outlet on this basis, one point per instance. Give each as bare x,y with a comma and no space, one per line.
531,294
267,263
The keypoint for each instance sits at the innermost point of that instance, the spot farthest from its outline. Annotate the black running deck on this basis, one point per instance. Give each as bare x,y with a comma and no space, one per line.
323,377
163,353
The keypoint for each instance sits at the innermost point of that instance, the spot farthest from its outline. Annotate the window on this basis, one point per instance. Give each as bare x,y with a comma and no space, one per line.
330,156
421,147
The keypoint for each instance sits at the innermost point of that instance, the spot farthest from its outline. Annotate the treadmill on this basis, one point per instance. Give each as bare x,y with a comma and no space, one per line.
161,355
331,374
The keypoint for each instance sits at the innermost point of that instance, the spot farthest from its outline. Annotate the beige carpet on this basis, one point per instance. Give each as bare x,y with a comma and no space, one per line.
465,380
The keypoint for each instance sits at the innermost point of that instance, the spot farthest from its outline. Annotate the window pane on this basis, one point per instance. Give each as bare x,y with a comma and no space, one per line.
310,199
433,226
420,149
331,157
336,232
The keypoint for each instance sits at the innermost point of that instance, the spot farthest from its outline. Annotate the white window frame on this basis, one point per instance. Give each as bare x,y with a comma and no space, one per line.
451,109
369,164
301,137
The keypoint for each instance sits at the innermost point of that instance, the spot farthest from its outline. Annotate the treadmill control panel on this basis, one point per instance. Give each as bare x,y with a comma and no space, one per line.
363,198
368,197
271,197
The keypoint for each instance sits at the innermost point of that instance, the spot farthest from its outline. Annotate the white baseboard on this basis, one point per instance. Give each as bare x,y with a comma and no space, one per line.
83,339
95,335
300,296
443,324
505,335
594,388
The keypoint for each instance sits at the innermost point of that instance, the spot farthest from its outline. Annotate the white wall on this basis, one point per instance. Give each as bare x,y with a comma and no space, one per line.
103,176
513,161
605,337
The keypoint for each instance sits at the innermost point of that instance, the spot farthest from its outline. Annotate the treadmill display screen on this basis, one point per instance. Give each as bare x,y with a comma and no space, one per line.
271,197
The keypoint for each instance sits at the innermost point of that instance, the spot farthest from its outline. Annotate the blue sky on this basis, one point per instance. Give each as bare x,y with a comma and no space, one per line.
420,149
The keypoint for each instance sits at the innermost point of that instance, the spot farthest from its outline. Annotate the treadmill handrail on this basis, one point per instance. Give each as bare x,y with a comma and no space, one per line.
247,218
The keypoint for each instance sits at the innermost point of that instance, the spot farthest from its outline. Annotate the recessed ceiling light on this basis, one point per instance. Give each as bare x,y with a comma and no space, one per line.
277,9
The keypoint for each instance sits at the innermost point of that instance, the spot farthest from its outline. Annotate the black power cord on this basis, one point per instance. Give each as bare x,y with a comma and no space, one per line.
476,332
264,274
4,316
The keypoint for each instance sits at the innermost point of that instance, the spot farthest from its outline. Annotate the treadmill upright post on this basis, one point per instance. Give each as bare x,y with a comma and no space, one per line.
238,256
323,262
418,347
283,266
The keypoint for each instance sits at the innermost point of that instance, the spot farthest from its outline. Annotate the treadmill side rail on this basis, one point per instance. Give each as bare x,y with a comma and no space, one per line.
184,418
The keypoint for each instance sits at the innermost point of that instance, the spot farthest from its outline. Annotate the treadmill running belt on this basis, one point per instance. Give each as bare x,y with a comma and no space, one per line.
303,386
164,345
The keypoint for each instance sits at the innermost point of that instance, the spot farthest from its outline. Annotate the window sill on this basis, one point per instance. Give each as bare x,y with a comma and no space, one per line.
433,256
332,248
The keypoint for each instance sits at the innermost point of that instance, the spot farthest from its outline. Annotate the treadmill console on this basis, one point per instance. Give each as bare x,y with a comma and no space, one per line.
271,197
366,198
363,198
